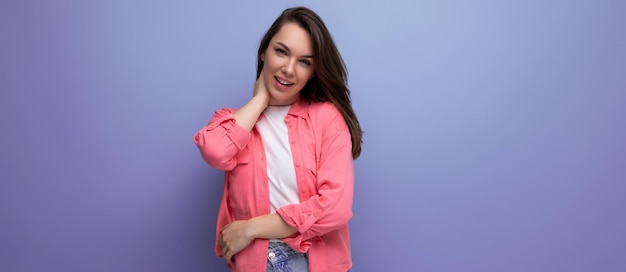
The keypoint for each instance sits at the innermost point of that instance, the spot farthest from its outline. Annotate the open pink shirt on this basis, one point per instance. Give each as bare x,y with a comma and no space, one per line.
322,157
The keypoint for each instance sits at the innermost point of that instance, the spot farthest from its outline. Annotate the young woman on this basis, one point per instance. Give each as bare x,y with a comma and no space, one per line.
287,155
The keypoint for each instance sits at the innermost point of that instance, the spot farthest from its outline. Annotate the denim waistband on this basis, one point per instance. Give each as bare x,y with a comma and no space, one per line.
282,258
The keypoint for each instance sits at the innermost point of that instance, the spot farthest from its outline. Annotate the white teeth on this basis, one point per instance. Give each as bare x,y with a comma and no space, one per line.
282,82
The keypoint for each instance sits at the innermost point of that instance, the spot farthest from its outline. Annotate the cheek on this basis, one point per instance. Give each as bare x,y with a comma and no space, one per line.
272,63
305,74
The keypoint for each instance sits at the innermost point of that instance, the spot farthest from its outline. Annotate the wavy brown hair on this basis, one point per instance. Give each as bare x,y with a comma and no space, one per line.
330,81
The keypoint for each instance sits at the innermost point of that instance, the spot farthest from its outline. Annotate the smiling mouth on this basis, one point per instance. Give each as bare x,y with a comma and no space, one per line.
282,82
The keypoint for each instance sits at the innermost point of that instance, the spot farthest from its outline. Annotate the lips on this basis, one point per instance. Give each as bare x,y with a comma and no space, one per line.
283,82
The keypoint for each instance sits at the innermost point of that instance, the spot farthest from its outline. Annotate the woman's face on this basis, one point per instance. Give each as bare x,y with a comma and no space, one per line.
288,64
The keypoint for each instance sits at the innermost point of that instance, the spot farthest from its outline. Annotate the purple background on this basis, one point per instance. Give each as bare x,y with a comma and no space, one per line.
494,131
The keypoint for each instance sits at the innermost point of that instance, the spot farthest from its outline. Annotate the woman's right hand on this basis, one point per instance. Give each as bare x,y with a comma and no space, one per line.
260,90
247,115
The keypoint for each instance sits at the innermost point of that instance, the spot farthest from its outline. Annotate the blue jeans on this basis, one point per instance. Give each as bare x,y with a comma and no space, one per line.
282,258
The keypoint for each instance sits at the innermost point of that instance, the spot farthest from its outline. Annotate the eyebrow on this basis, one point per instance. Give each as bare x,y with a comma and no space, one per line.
287,49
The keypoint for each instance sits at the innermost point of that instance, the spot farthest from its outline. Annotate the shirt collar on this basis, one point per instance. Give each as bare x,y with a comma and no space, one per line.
299,108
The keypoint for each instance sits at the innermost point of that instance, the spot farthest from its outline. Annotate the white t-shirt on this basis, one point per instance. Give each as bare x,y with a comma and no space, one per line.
280,170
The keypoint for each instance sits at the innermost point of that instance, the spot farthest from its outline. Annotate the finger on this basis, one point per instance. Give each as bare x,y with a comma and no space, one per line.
225,253
228,258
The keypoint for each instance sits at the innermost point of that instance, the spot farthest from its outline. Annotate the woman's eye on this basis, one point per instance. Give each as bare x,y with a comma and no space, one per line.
305,62
280,51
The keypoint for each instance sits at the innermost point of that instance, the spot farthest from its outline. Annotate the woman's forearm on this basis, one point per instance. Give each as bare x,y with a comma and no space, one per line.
270,226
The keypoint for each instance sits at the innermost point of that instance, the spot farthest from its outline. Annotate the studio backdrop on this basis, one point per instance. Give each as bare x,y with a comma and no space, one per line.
495,132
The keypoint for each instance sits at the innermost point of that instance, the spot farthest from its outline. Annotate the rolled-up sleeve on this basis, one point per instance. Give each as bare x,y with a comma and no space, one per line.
331,207
221,140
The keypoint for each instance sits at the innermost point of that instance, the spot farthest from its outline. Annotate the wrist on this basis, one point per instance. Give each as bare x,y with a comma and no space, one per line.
251,230
261,102
262,97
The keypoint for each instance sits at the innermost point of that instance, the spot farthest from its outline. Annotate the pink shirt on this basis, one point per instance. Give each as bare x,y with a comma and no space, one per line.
322,157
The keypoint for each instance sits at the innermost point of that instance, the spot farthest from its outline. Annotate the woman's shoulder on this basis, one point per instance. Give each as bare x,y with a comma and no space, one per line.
326,115
323,109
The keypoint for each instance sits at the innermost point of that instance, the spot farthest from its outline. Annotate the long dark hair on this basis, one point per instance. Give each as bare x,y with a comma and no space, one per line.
330,81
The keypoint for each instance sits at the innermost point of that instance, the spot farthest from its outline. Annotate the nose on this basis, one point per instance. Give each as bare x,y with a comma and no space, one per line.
289,67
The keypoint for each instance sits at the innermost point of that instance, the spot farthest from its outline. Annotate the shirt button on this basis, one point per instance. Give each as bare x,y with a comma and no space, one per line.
297,165
271,255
